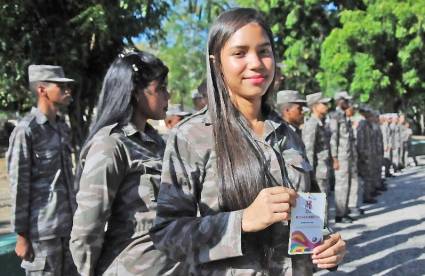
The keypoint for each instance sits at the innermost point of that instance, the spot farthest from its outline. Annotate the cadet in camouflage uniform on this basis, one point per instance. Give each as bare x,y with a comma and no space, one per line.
395,142
119,173
355,199
366,154
342,151
290,105
316,138
205,219
407,137
385,130
379,149
40,171
404,137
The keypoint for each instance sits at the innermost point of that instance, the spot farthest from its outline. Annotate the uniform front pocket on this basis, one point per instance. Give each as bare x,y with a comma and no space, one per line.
150,178
46,162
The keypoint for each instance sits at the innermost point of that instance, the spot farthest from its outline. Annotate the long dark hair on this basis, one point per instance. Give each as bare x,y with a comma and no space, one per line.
129,71
241,164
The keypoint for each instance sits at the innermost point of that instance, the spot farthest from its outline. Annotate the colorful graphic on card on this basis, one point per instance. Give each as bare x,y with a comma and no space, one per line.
307,220
301,244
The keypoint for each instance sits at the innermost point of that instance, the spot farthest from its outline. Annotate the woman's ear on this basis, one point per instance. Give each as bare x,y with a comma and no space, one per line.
212,58
41,90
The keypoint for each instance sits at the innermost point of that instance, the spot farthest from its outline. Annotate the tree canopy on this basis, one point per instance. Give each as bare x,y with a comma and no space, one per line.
377,54
372,48
299,28
82,36
183,47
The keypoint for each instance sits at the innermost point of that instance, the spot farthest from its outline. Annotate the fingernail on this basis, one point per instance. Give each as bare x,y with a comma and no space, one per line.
315,261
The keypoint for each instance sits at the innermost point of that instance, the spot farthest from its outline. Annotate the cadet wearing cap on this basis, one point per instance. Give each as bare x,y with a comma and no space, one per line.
365,149
395,142
290,104
385,129
343,95
316,139
342,153
378,141
40,171
199,96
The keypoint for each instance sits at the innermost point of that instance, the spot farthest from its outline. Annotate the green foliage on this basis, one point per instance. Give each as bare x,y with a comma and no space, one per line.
299,28
379,54
82,36
183,48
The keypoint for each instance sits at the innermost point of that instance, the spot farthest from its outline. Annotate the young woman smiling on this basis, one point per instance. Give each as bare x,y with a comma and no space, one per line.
225,198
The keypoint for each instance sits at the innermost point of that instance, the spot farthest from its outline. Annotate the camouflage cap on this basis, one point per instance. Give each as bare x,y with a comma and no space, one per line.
290,96
317,98
365,109
47,73
342,95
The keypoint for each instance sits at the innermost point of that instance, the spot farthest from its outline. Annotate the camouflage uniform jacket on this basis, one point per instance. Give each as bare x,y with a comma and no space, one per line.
316,139
40,171
378,140
342,136
404,134
300,180
118,188
365,146
385,129
395,135
191,226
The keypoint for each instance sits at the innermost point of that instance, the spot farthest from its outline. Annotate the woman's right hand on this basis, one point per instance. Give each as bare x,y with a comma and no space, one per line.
23,248
270,206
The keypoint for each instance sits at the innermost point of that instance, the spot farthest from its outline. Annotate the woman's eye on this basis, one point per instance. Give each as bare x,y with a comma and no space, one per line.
265,52
238,54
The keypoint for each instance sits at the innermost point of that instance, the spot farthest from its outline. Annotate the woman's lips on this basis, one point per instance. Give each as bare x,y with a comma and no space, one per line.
256,80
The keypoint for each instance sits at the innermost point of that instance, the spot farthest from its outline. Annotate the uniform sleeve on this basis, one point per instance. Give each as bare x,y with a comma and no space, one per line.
333,125
178,231
19,169
309,138
103,171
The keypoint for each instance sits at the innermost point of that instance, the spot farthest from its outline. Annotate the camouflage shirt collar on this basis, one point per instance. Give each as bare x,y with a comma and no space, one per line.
130,130
40,117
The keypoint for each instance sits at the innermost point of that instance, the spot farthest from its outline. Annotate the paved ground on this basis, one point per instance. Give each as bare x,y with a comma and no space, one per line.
390,238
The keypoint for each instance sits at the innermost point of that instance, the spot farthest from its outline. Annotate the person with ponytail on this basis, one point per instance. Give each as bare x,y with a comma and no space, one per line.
118,174
225,197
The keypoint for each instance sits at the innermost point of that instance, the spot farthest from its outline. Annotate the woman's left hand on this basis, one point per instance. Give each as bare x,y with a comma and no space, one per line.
330,253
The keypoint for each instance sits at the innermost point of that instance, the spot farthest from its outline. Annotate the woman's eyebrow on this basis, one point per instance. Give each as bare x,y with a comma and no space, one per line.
265,44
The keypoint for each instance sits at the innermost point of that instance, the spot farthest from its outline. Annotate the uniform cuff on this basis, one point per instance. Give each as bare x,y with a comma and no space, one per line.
230,245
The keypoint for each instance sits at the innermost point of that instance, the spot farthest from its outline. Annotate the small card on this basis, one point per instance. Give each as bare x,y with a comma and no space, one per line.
307,221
